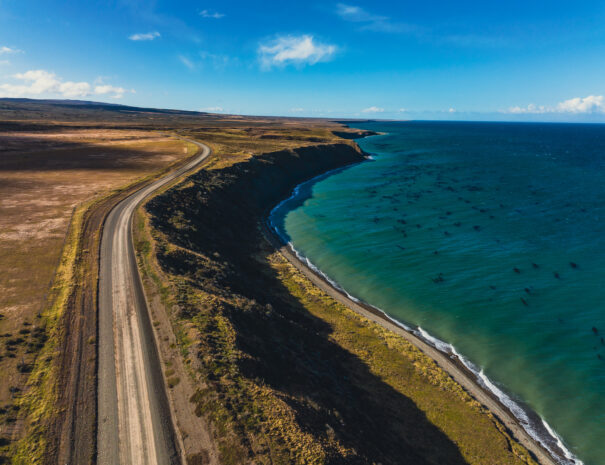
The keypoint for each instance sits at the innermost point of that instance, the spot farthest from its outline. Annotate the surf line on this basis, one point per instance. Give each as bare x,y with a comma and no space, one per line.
541,431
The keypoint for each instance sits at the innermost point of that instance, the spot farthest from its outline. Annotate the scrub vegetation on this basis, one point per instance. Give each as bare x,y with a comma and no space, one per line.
280,371
59,168
285,374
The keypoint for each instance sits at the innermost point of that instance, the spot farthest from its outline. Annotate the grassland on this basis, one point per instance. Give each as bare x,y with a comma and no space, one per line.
62,166
261,366
50,173
283,373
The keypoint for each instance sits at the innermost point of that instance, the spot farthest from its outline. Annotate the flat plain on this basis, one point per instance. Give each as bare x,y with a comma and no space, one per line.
47,169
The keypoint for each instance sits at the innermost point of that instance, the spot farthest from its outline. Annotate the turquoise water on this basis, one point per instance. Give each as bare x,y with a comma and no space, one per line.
489,236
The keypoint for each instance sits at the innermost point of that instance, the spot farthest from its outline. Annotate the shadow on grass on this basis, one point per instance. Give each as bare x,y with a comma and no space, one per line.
332,391
41,154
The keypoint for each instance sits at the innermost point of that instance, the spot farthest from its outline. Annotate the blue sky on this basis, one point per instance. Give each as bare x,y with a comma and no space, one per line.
513,60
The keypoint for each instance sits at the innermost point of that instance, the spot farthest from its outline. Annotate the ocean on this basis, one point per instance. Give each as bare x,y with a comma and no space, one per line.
488,239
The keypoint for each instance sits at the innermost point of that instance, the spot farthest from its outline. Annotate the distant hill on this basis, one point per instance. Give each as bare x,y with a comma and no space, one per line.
35,104
28,114
23,114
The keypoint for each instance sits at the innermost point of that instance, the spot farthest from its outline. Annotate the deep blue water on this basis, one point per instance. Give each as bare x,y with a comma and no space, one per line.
489,236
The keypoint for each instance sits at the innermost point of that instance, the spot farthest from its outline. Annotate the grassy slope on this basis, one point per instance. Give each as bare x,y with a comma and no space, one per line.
290,376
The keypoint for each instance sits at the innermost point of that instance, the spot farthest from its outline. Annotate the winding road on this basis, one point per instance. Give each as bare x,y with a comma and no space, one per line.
134,421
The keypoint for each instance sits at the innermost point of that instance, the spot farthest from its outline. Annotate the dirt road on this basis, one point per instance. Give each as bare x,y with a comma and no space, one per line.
134,421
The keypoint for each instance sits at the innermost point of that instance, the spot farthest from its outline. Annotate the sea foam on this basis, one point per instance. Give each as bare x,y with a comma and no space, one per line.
482,379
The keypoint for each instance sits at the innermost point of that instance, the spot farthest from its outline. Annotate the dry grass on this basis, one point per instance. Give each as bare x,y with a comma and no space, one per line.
43,177
54,157
238,143
481,437
257,335
19,142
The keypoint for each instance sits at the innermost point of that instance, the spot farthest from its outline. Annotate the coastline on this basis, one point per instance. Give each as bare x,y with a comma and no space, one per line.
444,355
382,399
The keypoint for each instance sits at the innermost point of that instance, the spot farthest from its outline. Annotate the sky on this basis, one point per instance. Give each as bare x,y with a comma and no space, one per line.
515,60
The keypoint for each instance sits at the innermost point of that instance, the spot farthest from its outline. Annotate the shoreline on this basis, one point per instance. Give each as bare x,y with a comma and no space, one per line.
443,353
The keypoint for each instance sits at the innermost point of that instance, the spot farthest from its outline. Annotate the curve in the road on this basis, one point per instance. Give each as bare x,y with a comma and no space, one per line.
134,425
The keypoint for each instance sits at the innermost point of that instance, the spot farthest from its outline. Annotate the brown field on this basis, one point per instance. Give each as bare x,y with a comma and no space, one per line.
43,177
56,158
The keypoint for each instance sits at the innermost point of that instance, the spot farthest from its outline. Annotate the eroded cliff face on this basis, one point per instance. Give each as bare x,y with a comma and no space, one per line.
220,209
264,180
267,366
284,373
354,134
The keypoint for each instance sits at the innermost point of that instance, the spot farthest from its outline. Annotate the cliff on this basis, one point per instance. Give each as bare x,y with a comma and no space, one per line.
285,374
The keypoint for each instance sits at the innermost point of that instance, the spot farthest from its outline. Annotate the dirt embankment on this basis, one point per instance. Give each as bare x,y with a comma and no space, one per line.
284,373
354,134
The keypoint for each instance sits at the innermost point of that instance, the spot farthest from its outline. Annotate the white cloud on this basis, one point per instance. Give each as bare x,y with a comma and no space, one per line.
118,92
402,110
368,21
296,110
35,82
145,36
373,110
38,82
531,108
211,14
298,50
371,21
590,104
71,89
452,110
187,62
4,50
356,13
213,109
